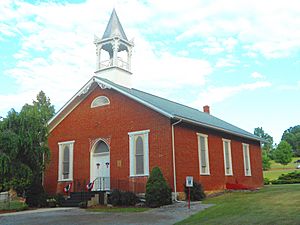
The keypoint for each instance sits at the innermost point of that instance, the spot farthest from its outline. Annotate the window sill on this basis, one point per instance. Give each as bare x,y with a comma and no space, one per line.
140,175
229,175
67,180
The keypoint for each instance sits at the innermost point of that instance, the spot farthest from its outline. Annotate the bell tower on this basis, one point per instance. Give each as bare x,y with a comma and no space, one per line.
113,53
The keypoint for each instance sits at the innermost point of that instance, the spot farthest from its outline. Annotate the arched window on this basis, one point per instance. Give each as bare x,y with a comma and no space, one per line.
139,155
100,101
101,147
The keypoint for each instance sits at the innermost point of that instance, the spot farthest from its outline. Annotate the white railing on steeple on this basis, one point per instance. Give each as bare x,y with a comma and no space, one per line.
109,63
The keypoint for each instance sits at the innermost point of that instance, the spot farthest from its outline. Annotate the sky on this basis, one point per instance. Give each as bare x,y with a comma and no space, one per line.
242,58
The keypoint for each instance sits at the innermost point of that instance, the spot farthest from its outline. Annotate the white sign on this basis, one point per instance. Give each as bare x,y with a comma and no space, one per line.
189,181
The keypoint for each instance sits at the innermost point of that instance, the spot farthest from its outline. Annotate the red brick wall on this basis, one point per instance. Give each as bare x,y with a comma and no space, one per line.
113,121
124,115
187,162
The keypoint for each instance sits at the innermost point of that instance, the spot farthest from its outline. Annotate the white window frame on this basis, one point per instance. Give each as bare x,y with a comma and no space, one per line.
246,151
145,136
230,157
95,99
206,153
61,146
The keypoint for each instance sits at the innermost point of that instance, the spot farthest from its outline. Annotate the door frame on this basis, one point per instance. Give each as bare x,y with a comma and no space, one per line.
99,154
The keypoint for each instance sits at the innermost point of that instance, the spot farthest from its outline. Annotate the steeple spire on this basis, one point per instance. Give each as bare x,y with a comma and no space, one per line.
114,41
114,27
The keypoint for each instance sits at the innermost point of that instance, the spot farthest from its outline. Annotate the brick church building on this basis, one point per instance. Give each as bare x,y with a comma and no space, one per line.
113,135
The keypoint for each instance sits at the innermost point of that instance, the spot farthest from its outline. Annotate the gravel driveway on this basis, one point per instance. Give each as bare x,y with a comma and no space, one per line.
164,215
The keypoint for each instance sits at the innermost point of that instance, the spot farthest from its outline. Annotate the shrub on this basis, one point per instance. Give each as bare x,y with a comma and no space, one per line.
197,192
158,192
59,199
128,198
119,198
36,196
267,181
82,205
115,197
290,178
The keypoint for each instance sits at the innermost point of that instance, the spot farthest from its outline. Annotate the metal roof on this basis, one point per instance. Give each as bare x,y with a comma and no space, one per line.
114,27
179,111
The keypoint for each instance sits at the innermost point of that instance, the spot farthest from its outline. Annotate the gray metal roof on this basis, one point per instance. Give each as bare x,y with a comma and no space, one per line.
184,112
114,27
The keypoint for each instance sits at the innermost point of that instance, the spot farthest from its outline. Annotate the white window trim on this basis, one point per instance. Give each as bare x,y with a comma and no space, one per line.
230,157
95,99
61,146
248,152
145,133
206,153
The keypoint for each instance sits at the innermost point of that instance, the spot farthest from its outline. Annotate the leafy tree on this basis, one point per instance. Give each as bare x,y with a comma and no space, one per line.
158,192
283,153
267,147
23,145
268,144
265,161
292,136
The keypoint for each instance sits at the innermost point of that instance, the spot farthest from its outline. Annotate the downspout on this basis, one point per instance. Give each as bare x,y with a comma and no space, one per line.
174,166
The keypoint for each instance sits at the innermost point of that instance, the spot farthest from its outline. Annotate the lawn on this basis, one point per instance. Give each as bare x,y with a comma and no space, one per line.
278,169
274,204
13,206
117,209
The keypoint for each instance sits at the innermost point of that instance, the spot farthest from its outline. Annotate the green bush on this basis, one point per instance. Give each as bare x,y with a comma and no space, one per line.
59,199
82,205
36,196
128,198
120,198
289,178
115,197
158,192
197,192
267,181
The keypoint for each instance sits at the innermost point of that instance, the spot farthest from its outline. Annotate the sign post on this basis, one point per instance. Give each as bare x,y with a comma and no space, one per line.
189,184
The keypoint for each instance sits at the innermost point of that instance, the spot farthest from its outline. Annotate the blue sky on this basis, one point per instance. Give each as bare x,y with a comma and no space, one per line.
239,57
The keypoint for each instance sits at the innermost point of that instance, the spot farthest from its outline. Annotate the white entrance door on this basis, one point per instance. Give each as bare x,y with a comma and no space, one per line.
100,166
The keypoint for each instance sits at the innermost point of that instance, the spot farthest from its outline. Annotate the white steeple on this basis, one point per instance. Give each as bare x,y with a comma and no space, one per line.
117,66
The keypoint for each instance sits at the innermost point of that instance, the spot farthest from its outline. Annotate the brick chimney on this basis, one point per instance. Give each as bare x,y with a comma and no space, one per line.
206,109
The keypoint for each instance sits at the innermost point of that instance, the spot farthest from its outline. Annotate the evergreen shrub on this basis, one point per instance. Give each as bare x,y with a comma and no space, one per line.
158,192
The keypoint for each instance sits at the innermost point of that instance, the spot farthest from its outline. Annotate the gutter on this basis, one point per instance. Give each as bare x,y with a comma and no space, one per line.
174,161
218,128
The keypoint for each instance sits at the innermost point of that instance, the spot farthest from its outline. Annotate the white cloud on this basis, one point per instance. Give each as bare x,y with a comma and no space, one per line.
257,75
218,94
228,61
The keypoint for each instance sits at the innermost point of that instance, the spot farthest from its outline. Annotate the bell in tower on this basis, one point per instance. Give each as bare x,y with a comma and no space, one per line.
114,52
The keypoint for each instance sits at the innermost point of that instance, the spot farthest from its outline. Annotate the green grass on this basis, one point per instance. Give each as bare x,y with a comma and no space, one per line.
274,174
277,204
13,206
291,165
117,209
277,169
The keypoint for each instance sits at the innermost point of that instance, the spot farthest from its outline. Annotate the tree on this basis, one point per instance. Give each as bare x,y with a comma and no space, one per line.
265,161
23,145
283,153
292,136
267,147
